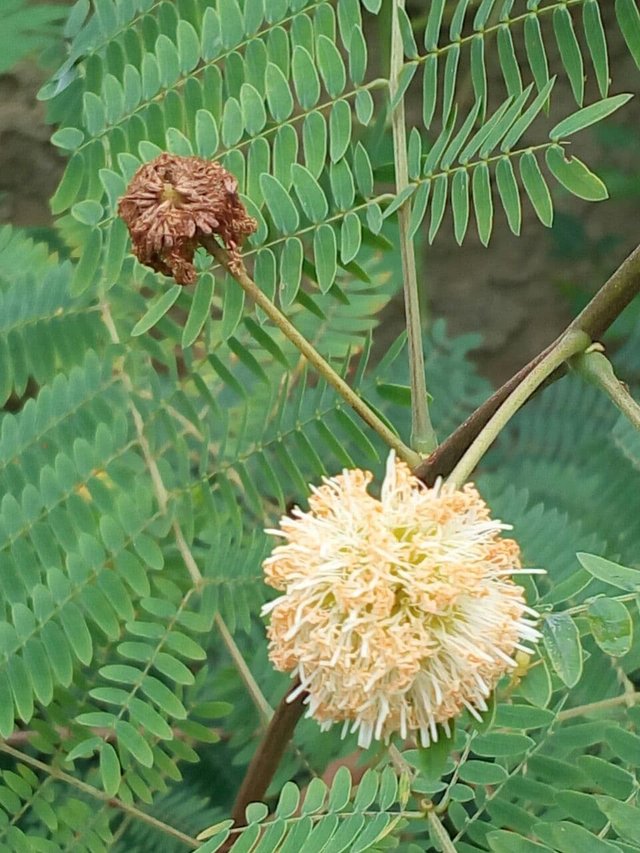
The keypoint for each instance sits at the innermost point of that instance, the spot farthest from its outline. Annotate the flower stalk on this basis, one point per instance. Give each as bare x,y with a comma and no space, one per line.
322,366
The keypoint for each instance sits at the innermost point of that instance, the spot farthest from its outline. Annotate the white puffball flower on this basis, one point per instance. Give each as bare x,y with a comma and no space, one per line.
397,613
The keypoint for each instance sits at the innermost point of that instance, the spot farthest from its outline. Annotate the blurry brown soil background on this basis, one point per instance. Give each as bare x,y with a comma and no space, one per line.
518,293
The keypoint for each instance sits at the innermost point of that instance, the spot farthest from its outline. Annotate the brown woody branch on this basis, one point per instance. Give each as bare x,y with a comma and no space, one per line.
608,303
269,753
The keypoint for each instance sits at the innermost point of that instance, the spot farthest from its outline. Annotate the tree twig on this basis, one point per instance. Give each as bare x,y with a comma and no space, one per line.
253,689
269,753
608,303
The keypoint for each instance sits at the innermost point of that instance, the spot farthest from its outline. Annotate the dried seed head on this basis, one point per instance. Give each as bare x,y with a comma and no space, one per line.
172,202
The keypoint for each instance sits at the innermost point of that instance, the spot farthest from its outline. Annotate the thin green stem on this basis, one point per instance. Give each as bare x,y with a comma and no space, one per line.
579,609
97,794
628,699
253,689
492,29
423,437
438,830
596,368
570,344
322,366
443,805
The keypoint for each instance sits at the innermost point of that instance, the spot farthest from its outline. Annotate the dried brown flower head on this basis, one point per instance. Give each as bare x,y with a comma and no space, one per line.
172,202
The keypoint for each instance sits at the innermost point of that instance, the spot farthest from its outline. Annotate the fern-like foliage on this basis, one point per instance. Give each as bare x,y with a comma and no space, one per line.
323,817
154,432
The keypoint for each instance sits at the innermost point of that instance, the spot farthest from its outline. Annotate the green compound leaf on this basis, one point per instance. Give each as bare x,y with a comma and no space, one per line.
597,43
87,267
279,97
340,123
569,50
88,212
434,23
502,841
325,256
253,111
629,22
200,309
522,124
535,51
340,790
207,139
315,797
157,310
460,203
432,760
69,138
310,194
314,142
536,188
131,739
624,817
610,572
502,743
509,193
281,208
587,116
331,66
611,626
626,745
429,89
567,837
575,176
350,237
562,643
482,773
232,307
305,78
483,202
232,127
509,61
109,769
438,205
291,261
